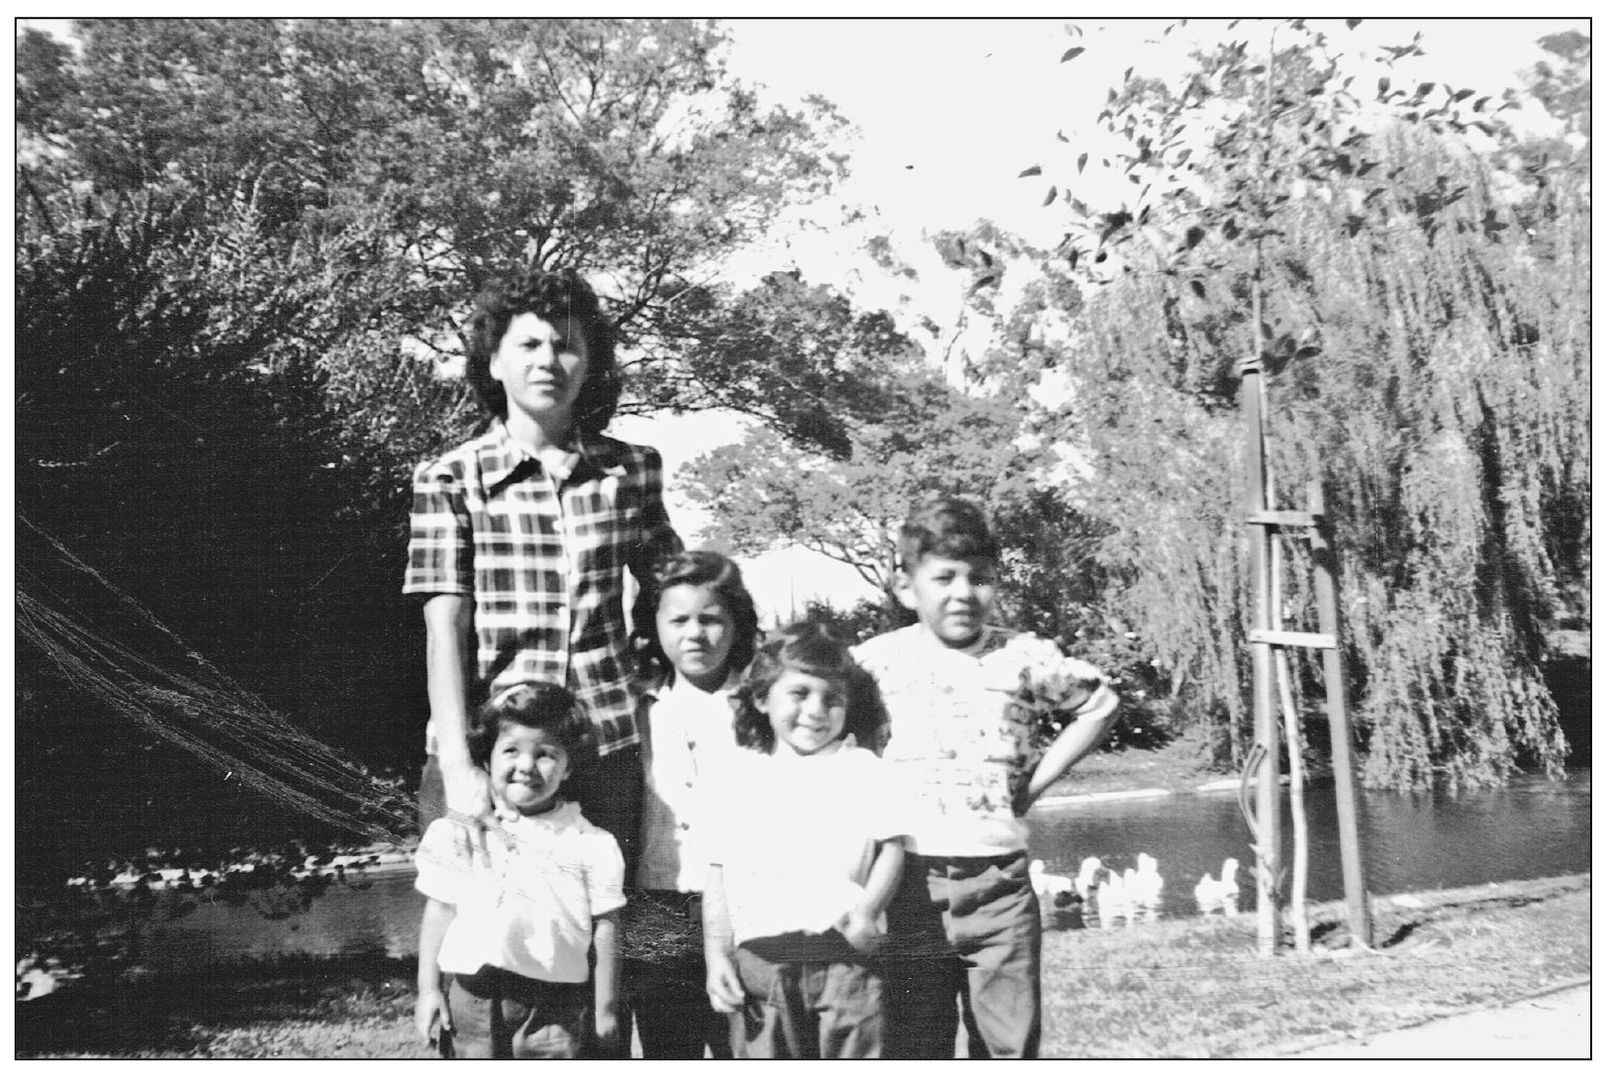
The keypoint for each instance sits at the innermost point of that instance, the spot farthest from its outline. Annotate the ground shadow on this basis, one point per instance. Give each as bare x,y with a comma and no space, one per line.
140,1012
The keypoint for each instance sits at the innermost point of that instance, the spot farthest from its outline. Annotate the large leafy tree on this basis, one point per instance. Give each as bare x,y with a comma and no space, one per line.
1428,358
765,489
244,247
902,431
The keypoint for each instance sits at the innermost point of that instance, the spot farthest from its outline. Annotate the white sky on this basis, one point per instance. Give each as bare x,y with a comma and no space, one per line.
950,111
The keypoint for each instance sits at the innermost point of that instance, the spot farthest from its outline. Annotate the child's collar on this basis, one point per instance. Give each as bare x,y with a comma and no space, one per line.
511,817
728,685
979,643
784,754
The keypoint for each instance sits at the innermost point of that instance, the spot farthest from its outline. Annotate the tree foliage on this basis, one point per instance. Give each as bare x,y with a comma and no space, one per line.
244,247
848,504
1428,344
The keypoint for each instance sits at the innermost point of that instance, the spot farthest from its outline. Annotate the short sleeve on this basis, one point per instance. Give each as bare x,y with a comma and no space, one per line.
440,538
444,859
605,873
865,653
1040,651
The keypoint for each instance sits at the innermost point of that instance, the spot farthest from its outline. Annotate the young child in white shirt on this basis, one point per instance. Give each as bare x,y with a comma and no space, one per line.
699,628
805,854
512,913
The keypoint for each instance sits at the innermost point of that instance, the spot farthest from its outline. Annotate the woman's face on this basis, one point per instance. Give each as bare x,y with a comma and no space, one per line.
542,367
696,632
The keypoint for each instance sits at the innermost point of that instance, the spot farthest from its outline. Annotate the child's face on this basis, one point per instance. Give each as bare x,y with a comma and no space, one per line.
696,633
528,765
952,597
807,712
540,365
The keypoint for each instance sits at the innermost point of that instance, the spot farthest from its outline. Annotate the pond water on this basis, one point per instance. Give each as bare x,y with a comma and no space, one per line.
1532,828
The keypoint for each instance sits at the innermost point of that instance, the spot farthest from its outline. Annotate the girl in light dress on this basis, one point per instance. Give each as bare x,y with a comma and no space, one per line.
698,628
806,849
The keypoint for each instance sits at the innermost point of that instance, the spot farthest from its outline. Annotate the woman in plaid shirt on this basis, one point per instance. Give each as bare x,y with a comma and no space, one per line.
521,538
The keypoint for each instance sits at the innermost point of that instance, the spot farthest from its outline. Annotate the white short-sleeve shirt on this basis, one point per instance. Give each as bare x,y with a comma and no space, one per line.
526,904
961,737
796,836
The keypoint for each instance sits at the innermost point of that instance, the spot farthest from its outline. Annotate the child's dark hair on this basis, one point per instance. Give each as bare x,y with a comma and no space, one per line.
949,527
701,569
557,297
538,705
809,648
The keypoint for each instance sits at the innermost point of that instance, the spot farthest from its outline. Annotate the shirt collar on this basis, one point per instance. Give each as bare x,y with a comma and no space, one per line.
561,815
987,639
503,458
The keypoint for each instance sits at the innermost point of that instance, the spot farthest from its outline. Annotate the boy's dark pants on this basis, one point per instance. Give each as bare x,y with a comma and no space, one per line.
968,926
808,996
497,1013
609,790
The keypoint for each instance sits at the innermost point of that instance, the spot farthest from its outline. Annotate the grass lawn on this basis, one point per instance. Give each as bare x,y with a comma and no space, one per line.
1188,988
1198,988
1178,765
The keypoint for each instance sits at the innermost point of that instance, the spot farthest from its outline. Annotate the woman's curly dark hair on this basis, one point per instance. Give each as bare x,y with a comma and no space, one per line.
701,569
557,297
808,648
538,705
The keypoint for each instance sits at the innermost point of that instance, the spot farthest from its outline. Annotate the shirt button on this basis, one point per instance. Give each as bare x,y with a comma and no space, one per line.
689,784
684,826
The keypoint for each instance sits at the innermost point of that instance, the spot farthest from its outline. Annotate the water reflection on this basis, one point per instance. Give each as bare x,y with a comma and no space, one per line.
1530,829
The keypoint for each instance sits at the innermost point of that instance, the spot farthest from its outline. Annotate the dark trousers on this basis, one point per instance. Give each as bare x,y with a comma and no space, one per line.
665,978
830,1005
609,790
964,927
497,1013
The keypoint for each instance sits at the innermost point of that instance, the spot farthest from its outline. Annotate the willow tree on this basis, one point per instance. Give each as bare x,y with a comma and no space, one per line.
1425,323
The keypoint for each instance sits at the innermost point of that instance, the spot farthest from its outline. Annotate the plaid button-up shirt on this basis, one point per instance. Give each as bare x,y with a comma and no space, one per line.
543,561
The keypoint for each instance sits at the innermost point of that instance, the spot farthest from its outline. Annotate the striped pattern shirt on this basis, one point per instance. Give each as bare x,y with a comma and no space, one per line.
543,556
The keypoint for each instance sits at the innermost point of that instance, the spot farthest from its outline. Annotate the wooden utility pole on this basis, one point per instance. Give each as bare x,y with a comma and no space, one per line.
1265,714
1313,524
1346,779
1262,522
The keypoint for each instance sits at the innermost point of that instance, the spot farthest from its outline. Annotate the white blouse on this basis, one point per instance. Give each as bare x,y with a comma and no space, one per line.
687,733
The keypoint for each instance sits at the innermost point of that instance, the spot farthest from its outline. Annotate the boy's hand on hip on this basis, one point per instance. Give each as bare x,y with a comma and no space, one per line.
861,932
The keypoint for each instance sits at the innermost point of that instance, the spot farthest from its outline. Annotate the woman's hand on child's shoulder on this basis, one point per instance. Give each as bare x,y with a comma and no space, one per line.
468,790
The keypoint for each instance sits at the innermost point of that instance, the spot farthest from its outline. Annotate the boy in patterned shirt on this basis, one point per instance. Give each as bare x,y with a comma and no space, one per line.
963,698
521,538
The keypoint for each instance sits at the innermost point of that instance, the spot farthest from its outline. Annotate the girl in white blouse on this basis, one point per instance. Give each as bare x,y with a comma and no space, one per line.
701,635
